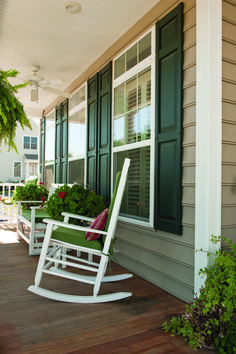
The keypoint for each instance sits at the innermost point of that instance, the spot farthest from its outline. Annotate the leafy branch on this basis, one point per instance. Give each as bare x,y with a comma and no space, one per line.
11,109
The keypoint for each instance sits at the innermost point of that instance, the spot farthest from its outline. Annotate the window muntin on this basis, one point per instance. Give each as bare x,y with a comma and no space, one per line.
30,142
133,115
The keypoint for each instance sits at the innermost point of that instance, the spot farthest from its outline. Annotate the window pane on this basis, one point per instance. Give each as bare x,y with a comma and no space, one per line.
17,169
144,105
119,100
76,172
50,139
34,143
136,197
78,98
49,176
138,52
145,47
26,142
32,169
119,66
77,134
131,57
134,123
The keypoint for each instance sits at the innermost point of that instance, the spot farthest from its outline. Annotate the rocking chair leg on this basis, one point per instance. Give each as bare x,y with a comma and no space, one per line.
39,272
64,251
103,263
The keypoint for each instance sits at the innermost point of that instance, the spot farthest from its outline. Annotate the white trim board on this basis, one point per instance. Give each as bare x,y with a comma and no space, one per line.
208,130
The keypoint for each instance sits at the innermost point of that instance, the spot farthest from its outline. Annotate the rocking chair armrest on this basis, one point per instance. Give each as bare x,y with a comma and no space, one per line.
72,226
35,207
76,216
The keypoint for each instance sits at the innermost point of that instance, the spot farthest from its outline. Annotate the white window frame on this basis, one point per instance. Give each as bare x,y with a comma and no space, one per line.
80,106
141,66
29,136
13,172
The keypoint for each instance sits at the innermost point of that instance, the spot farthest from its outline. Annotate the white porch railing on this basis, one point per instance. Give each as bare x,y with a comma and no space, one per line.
8,188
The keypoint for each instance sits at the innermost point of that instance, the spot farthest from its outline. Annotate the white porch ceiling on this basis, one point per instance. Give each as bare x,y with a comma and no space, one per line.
64,45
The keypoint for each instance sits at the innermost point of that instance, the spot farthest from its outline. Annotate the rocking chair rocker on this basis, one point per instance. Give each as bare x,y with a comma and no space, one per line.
64,235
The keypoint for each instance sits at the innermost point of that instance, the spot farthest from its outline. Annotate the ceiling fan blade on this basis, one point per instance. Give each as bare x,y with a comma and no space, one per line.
57,92
50,82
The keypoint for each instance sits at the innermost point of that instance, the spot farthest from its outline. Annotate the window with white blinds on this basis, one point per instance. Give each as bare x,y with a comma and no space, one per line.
132,120
77,137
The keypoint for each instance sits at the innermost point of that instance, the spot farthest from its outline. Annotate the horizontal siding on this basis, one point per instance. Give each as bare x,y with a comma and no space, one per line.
165,259
229,119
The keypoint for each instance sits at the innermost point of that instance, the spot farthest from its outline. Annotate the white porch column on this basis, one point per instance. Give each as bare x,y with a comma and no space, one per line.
208,130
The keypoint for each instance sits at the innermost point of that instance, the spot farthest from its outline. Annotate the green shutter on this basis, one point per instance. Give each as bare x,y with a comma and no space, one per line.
64,144
92,117
104,132
61,143
42,149
57,169
99,132
168,140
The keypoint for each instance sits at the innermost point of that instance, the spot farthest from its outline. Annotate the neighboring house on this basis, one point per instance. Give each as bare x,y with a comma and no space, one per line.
17,167
164,95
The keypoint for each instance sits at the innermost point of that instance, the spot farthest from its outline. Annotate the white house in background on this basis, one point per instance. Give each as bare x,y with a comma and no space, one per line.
17,167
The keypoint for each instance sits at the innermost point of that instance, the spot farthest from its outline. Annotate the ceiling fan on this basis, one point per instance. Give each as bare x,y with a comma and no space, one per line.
36,81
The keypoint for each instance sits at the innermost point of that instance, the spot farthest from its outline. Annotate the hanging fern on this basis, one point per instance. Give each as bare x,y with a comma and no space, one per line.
11,110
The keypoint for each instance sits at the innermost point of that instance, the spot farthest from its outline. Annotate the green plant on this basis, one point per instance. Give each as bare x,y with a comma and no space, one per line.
211,318
76,200
11,109
30,192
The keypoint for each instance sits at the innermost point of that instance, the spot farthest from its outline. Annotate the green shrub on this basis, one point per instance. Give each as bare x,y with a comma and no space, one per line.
30,192
211,318
76,200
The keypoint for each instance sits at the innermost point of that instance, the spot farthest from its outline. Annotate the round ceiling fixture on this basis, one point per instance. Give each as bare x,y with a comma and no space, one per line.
72,7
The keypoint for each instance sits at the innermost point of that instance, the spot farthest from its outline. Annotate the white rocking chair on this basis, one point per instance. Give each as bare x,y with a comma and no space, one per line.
64,235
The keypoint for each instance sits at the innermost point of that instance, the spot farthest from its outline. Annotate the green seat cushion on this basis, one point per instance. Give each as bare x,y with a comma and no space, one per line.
40,214
32,181
75,237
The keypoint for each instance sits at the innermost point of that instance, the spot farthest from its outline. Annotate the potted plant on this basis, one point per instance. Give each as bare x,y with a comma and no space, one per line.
76,200
210,320
11,109
29,192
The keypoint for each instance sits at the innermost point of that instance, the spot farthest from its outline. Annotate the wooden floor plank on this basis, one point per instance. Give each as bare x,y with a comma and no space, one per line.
36,325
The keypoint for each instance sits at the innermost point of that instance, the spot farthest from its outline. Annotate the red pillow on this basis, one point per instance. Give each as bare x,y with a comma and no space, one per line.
98,224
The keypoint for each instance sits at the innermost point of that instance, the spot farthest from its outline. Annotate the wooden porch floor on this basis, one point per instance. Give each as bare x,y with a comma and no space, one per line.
32,324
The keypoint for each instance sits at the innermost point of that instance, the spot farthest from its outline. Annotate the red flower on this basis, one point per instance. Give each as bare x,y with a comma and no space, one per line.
22,181
41,183
61,194
43,199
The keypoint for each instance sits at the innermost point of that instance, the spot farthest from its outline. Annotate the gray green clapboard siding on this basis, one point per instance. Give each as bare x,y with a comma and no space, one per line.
228,217
166,259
